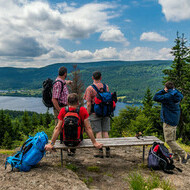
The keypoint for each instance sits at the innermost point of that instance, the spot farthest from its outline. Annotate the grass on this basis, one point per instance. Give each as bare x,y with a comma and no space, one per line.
72,167
88,180
184,147
93,169
138,182
7,152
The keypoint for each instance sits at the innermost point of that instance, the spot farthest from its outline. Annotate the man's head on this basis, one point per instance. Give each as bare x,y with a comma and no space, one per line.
169,85
97,75
73,99
63,72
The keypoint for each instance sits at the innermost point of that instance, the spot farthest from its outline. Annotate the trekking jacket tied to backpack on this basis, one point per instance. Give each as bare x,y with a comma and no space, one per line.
160,158
72,128
31,152
104,104
47,91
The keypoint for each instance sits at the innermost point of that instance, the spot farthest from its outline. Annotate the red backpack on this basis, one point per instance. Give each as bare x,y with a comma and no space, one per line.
72,128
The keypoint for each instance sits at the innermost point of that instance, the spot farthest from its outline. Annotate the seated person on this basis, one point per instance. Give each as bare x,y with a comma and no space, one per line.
73,106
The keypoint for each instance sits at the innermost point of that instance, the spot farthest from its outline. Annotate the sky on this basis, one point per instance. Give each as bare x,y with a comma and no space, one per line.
36,33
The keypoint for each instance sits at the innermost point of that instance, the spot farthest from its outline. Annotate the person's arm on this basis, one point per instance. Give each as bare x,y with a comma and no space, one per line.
162,96
68,82
90,134
56,104
89,107
55,135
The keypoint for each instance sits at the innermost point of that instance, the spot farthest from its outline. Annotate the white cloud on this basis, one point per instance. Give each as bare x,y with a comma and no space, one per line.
145,53
106,53
175,10
32,29
127,20
114,35
61,55
152,36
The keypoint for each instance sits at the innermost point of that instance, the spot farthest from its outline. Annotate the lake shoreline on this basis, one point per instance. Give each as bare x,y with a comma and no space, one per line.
34,104
40,96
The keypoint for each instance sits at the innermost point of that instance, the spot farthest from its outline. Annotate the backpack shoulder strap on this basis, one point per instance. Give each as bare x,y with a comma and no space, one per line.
95,88
104,88
77,110
62,84
67,109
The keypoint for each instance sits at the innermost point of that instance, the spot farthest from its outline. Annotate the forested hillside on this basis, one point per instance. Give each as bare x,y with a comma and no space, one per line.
129,79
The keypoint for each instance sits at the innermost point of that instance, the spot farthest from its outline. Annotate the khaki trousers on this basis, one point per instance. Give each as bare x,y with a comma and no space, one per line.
170,139
56,113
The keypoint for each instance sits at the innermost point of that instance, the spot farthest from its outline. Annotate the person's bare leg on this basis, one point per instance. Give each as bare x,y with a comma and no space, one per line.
99,135
100,151
106,135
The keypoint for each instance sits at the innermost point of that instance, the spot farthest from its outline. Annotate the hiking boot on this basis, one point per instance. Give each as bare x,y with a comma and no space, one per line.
71,152
176,157
107,152
185,159
100,154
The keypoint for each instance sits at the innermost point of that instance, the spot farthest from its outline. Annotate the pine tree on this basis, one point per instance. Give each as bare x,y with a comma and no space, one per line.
179,74
77,86
7,141
26,124
147,103
2,125
9,126
47,120
178,69
35,121
41,120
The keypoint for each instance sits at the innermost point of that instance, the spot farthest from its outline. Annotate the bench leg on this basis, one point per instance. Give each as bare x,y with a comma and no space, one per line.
143,152
61,157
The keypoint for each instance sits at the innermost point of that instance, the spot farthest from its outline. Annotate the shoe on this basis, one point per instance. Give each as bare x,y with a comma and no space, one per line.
100,154
71,152
185,159
107,152
176,157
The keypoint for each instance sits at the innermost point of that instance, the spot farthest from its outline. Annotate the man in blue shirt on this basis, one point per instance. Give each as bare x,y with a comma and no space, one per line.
170,115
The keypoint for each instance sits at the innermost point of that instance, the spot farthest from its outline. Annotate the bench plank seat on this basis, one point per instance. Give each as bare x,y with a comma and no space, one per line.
113,142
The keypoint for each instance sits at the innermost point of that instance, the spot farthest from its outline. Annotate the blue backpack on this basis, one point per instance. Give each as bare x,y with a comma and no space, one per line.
103,105
31,152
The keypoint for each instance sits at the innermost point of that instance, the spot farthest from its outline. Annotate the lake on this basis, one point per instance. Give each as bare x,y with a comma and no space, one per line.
35,104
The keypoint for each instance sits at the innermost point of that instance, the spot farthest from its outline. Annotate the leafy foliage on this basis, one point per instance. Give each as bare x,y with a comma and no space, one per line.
16,127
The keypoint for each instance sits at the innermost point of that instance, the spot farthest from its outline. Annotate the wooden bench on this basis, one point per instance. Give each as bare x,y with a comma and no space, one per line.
113,142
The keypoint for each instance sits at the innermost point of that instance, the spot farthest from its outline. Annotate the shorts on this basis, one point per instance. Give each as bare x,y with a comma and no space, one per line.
99,124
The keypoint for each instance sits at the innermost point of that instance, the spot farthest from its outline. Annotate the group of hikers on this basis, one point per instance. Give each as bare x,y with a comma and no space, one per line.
66,105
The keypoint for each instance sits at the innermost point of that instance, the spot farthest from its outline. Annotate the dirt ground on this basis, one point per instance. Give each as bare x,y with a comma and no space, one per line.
86,172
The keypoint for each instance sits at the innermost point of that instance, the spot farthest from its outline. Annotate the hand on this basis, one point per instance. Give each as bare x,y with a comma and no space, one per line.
48,147
165,89
98,145
69,82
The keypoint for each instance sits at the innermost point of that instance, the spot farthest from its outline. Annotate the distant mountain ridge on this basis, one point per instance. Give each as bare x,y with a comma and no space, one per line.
127,78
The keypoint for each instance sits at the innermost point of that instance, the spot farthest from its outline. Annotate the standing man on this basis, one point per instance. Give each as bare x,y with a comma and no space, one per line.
60,92
100,125
170,115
